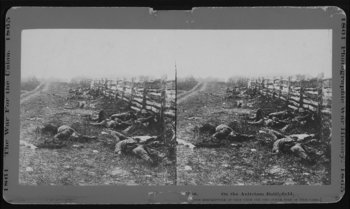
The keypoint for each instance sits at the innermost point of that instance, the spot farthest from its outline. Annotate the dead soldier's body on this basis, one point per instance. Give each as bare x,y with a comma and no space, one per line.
65,132
146,118
280,120
127,121
125,116
225,132
134,146
301,117
113,123
224,135
288,143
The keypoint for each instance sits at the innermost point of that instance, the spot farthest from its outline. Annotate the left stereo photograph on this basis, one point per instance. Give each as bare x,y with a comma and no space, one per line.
97,107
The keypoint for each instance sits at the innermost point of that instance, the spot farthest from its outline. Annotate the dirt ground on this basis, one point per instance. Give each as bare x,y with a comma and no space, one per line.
90,163
248,163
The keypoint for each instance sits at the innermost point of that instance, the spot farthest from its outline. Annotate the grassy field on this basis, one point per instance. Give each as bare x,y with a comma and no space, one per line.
90,163
245,163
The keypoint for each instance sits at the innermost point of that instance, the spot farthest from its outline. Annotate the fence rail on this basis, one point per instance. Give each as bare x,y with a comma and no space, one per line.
315,94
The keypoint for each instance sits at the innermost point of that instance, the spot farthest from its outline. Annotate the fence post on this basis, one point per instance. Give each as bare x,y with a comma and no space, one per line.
289,89
267,87
273,89
144,96
123,91
116,93
100,85
105,86
109,85
112,91
162,109
132,92
301,100
281,88
320,97
97,86
320,106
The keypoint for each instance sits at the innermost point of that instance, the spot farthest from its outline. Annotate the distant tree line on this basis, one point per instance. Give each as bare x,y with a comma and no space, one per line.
186,83
29,83
237,81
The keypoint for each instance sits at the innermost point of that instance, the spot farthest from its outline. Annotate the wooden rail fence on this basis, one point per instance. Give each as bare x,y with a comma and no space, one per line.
157,96
313,94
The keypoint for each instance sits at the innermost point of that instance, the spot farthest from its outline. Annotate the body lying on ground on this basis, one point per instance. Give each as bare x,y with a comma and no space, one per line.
127,121
283,120
102,115
146,117
223,135
65,132
282,115
259,115
113,123
302,117
291,143
272,120
125,116
135,146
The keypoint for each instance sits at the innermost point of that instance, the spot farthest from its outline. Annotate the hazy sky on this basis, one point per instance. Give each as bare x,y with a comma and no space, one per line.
66,53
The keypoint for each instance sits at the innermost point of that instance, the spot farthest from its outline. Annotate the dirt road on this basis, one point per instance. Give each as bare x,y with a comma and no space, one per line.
42,87
197,88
